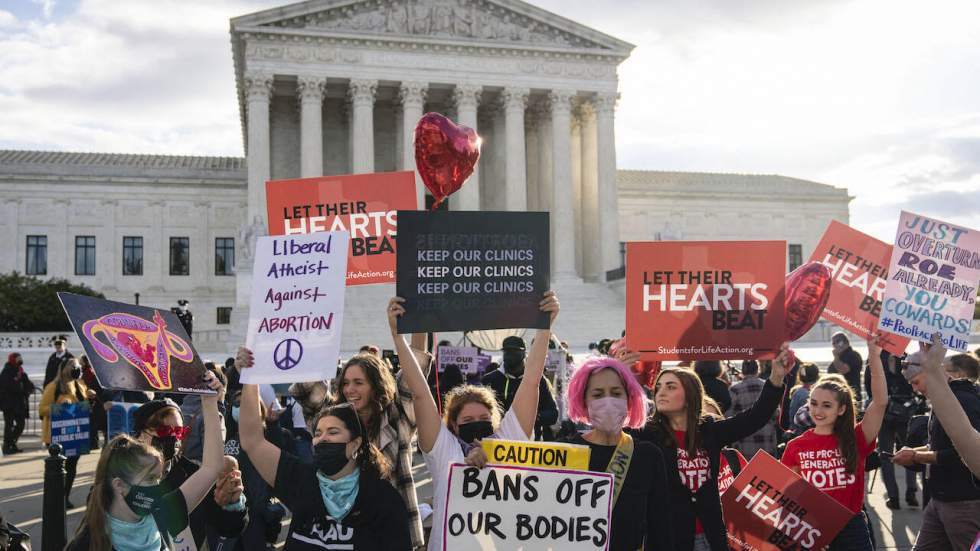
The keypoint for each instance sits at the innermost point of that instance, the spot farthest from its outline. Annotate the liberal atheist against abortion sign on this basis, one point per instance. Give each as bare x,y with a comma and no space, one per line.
462,271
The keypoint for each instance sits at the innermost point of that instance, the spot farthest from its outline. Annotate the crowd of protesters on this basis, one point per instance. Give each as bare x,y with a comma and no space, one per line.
336,455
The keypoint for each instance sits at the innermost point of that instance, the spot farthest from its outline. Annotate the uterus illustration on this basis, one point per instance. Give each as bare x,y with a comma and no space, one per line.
146,345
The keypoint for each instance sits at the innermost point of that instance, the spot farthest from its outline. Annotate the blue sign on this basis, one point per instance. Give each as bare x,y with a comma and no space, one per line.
70,427
120,418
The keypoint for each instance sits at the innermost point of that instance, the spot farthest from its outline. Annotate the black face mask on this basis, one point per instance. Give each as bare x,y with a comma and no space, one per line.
167,445
76,373
330,457
468,432
514,362
141,499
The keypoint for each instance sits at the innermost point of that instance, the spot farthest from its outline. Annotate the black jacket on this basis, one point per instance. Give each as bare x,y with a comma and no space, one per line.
718,391
950,479
505,387
706,503
51,371
228,524
15,388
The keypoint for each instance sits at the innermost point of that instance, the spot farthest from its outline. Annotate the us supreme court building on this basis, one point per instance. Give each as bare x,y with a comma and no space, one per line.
329,87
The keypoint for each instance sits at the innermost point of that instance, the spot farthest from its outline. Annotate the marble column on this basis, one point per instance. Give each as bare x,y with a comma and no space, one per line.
362,93
576,147
533,157
411,95
562,224
466,98
589,220
515,177
608,202
310,90
542,114
495,179
258,91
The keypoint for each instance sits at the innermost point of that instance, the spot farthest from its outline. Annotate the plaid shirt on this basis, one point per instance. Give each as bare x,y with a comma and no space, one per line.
744,394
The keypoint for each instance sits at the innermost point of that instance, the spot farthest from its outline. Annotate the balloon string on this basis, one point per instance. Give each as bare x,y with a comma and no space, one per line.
436,205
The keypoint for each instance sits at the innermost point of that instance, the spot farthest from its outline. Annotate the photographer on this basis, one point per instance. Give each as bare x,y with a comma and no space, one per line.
894,430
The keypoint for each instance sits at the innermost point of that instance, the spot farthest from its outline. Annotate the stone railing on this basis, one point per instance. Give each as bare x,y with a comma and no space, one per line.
30,341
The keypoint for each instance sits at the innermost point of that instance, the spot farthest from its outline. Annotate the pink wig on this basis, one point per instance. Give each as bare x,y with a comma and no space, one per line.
635,397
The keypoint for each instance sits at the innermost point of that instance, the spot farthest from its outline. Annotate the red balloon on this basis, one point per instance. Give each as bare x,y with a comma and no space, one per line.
807,292
445,154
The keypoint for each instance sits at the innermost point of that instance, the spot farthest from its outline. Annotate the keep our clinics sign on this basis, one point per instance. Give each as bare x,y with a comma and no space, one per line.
932,281
297,307
506,508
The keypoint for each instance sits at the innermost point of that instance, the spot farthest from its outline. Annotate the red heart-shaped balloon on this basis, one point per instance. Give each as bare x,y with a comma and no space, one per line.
807,292
445,154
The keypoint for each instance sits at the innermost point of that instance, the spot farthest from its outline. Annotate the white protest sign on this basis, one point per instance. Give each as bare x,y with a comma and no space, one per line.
466,357
932,281
505,508
554,360
297,307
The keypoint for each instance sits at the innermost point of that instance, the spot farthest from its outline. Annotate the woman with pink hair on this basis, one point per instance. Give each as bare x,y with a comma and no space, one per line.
605,394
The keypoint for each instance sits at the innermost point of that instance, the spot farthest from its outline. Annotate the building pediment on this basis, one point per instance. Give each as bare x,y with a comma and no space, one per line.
489,22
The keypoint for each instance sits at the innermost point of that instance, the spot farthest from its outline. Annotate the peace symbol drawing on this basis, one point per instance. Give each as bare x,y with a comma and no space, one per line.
287,354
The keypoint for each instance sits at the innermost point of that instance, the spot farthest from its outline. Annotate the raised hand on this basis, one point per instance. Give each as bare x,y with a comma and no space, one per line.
394,311
779,365
549,304
244,359
933,353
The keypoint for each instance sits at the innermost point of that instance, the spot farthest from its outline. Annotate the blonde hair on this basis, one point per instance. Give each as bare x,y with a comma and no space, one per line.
458,397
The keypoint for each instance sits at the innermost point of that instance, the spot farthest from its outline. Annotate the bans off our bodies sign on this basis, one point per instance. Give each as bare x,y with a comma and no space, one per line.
363,205
705,300
858,266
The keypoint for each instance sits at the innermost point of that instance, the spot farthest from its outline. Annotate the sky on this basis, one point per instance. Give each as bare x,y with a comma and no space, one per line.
881,97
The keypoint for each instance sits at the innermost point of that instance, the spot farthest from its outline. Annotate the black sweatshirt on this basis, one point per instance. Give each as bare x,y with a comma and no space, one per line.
228,524
706,504
950,479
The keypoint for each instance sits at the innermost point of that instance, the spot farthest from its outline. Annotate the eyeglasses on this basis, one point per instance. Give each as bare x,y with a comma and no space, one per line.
177,432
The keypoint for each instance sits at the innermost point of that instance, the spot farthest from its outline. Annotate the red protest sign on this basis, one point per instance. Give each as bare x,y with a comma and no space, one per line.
771,508
705,300
365,205
859,269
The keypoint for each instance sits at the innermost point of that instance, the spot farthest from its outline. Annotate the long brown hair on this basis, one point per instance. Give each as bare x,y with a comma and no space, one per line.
694,399
123,457
383,389
844,425
368,457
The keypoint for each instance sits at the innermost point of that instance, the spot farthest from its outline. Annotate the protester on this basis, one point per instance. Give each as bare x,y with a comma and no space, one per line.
160,424
847,362
129,509
831,456
66,388
894,429
951,519
709,371
55,360
744,394
605,394
355,508
384,406
15,391
800,395
98,420
962,366
505,380
691,443
471,413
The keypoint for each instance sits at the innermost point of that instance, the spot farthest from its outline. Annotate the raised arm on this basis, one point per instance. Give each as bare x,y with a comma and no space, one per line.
751,420
427,418
199,484
263,454
875,412
956,423
525,404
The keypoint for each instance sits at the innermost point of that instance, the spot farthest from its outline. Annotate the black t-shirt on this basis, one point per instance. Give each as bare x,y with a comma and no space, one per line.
378,520
641,510
170,515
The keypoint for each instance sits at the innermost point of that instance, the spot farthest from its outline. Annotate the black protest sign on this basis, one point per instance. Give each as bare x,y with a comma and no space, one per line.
135,347
462,271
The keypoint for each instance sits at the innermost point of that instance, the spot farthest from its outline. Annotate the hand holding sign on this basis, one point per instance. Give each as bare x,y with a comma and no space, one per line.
781,364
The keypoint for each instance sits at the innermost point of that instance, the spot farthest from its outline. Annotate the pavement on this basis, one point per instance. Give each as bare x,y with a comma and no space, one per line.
22,484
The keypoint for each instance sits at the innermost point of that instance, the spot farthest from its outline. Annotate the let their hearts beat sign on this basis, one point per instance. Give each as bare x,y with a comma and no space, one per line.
504,508
363,205
134,347
858,266
932,281
705,300
297,307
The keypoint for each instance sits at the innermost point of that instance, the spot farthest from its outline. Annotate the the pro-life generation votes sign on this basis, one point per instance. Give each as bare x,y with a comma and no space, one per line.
932,281
297,307
706,300
504,508
134,347
462,271
771,508
858,266
364,205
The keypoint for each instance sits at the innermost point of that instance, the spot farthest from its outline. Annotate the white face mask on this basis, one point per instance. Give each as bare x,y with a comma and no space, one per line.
608,414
